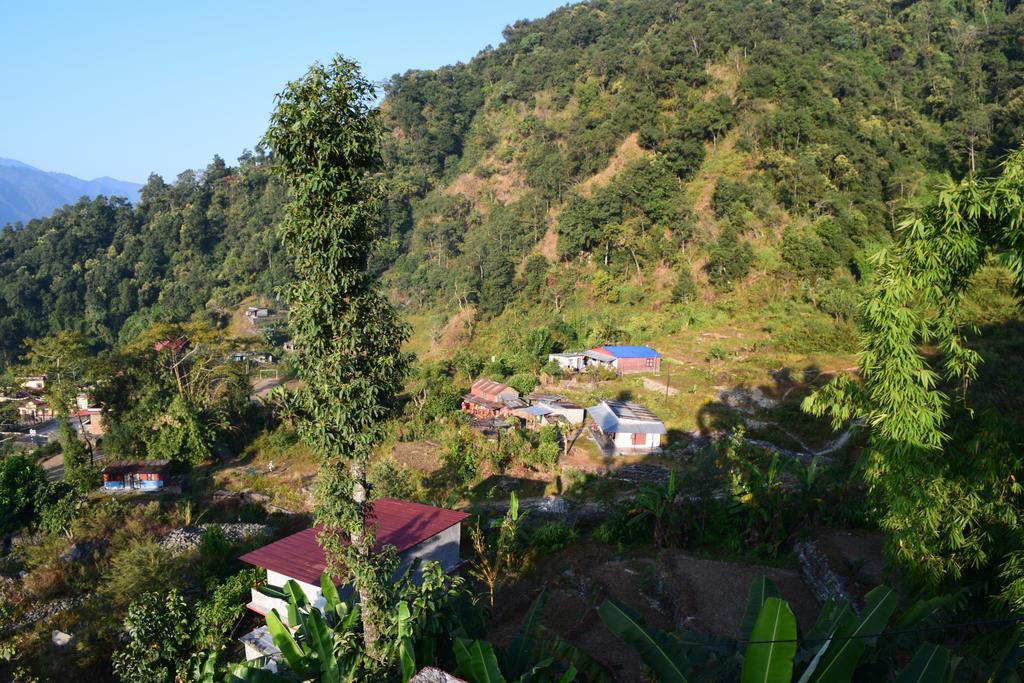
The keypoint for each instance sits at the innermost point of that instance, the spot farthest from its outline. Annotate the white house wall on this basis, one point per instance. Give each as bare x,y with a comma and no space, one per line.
313,593
573,415
624,443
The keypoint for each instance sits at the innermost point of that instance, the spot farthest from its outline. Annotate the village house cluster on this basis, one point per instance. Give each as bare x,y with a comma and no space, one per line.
617,427
35,415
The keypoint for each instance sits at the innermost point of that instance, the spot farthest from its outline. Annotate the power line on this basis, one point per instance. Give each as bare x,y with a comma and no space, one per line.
882,634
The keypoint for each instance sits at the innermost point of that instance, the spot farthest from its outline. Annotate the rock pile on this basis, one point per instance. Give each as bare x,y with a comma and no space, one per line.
818,574
187,538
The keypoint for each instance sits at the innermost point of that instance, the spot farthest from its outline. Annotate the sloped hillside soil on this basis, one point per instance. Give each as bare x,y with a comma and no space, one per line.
671,589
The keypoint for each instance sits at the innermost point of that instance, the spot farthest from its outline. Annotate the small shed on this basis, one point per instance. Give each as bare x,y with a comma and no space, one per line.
569,362
141,475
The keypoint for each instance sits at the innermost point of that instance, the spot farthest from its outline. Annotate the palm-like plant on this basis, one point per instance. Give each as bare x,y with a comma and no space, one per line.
658,503
498,560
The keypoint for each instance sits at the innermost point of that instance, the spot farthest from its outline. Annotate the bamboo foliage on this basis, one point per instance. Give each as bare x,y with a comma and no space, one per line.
940,497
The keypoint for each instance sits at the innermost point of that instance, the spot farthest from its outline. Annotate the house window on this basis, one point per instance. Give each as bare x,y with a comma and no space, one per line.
639,439
649,363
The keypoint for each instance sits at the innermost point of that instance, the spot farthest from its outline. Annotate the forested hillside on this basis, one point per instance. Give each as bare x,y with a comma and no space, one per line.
109,269
622,138
616,151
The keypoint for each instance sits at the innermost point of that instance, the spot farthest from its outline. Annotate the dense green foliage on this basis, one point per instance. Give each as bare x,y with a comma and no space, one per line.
833,152
695,101
325,137
110,269
22,487
943,458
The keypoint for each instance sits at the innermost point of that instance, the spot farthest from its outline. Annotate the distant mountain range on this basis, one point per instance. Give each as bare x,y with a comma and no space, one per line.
27,193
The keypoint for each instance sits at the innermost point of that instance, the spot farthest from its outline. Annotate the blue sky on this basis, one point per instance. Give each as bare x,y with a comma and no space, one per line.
127,88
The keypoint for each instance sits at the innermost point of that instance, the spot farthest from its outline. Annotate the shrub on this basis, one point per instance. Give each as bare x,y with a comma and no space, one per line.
460,454
729,259
159,632
551,537
390,479
716,353
440,399
62,505
22,488
552,369
496,368
524,383
616,530
217,615
215,551
685,289
142,566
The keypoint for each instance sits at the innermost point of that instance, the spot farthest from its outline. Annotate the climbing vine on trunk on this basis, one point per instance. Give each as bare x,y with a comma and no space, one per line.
325,136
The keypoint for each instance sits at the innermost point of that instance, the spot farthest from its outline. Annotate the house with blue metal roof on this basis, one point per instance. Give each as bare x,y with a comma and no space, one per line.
626,360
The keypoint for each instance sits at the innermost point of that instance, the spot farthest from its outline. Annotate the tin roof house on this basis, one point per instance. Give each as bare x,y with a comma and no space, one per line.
625,428
137,475
547,409
625,360
416,531
487,399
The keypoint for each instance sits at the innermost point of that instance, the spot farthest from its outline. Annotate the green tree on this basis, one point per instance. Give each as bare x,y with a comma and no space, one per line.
325,138
159,628
22,488
941,496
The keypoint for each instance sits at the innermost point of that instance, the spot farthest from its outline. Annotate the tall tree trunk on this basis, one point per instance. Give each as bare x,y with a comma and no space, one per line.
362,542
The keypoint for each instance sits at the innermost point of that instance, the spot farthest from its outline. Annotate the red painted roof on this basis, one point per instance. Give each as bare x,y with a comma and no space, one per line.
397,522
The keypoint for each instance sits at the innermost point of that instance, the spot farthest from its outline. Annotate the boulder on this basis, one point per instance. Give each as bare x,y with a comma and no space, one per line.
61,639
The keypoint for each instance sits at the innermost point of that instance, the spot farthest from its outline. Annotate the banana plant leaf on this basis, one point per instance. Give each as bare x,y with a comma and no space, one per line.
476,661
322,641
406,651
659,650
760,590
842,654
294,655
521,651
769,657
253,672
929,664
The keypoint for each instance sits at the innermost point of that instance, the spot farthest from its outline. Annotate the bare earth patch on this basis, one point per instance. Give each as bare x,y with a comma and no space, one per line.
629,150
671,589
418,455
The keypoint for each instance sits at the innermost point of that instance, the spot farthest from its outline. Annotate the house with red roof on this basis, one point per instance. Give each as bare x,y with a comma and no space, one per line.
416,531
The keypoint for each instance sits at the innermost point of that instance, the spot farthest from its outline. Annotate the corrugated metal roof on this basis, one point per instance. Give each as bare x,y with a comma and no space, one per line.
630,351
537,411
625,417
599,354
135,466
487,387
480,401
398,522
